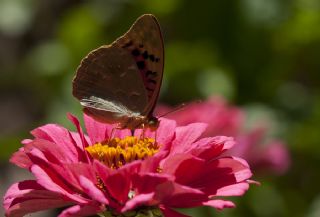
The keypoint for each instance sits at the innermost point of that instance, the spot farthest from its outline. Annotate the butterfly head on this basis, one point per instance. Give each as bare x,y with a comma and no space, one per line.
153,123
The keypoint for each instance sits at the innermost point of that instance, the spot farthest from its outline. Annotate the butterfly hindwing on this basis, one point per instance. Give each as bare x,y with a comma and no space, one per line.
109,73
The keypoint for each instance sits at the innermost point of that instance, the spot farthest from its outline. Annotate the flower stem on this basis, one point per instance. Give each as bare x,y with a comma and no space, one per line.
142,212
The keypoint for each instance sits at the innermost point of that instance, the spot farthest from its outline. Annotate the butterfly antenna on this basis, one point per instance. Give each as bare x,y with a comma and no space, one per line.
179,108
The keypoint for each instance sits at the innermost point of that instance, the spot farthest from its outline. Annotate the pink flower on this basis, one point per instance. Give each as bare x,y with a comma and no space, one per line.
223,119
271,156
95,173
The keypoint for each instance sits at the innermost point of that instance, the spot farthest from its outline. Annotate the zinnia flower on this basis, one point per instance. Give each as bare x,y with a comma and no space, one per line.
112,173
224,119
271,156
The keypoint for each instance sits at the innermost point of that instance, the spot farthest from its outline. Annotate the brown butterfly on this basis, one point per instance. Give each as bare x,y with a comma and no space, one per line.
120,82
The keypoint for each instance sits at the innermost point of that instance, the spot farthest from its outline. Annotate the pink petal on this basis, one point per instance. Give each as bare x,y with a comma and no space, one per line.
52,132
139,200
91,189
26,141
20,189
97,131
211,147
208,176
20,159
122,133
157,189
219,204
76,123
117,183
233,190
61,172
118,186
69,173
185,136
34,205
276,157
55,184
77,142
165,132
80,211
241,168
218,174
50,151
171,213
175,195
28,196
57,135
151,164
182,166
146,183
64,174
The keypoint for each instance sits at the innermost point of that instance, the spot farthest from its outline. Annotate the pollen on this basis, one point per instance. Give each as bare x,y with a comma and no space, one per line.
117,152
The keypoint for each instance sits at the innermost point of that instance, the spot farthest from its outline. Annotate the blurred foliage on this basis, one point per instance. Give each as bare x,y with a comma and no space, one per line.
258,52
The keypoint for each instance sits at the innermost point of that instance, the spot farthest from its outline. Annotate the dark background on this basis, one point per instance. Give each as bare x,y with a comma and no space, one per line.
261,55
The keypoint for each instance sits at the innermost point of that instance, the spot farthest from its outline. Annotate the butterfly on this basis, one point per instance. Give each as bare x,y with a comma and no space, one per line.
120,82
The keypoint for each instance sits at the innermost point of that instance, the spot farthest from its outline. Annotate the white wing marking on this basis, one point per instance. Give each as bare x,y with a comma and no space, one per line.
104,105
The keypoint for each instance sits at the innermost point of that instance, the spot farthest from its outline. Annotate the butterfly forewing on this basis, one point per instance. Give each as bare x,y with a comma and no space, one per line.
119,81
144,42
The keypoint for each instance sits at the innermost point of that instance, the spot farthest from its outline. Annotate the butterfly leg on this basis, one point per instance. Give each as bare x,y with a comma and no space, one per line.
142,132
113,131
111,134
155,137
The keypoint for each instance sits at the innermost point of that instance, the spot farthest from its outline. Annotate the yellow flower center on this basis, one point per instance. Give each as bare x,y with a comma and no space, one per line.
117,152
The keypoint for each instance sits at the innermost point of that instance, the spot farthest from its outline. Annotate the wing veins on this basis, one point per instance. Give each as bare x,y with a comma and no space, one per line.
109,106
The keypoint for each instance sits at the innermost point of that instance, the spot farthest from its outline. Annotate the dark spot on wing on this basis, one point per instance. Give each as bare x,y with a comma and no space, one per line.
141,45
145,55
128,44
141,64
135,52
152,58
157,59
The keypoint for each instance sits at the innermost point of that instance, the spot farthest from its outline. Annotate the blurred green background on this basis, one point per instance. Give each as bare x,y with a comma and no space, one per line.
261,55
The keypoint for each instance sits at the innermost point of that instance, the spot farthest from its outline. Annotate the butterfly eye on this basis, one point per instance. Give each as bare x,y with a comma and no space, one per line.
153,123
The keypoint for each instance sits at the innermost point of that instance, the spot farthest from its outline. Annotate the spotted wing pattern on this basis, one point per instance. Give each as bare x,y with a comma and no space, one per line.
144,42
